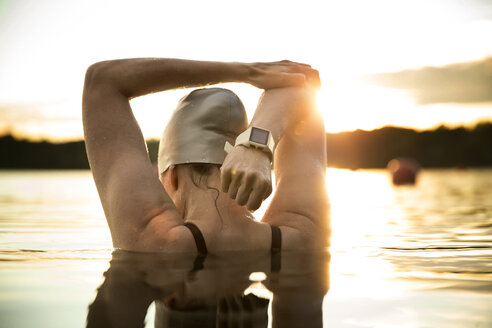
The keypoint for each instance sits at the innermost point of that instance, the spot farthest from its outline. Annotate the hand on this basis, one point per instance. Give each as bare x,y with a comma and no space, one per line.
246,176
283,74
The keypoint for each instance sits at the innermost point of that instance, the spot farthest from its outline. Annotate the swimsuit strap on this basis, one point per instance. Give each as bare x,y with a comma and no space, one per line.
276,249
276,239
199,240
202,247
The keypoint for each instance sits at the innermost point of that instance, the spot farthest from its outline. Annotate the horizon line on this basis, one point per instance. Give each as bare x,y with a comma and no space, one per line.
55,140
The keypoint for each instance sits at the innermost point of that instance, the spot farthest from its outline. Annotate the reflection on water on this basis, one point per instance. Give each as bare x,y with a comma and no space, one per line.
218,291
400,256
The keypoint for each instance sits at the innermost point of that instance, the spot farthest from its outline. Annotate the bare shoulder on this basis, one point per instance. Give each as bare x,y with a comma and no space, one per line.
161,233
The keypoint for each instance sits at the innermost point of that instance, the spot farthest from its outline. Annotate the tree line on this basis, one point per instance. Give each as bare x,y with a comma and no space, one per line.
442,147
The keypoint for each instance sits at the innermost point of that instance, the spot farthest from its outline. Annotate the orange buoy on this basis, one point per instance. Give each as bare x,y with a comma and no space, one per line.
404,171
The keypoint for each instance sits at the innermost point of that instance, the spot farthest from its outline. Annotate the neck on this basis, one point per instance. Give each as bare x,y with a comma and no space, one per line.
211,203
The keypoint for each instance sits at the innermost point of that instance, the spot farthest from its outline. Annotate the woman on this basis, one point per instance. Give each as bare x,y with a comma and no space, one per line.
206,206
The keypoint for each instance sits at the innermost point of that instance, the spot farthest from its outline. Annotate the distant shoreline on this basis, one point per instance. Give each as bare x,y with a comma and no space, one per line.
438,148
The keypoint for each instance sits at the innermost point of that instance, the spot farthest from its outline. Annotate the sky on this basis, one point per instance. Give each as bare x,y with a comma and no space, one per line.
417,64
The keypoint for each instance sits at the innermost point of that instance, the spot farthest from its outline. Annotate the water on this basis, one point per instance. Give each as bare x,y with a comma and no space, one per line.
400,257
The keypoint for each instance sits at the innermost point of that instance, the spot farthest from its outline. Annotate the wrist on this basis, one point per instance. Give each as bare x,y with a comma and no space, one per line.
257,138
242,72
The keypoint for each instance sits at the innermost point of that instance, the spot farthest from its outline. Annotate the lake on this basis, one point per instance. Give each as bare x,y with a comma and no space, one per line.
408,256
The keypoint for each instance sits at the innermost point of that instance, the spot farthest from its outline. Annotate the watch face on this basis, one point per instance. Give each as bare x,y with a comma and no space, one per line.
259,136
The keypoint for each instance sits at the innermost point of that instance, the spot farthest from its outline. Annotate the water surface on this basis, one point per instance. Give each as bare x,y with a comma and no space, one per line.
412,256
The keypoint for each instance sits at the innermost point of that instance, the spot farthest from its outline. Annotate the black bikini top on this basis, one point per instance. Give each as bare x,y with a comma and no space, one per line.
275,248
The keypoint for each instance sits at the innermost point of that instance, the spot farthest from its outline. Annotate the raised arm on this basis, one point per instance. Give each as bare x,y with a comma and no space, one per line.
140,214
300,204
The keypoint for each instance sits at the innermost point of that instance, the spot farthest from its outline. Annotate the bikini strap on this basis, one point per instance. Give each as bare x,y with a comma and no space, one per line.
276,249
199,240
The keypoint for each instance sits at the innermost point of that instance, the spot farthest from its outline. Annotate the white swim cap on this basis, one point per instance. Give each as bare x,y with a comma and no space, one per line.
199,127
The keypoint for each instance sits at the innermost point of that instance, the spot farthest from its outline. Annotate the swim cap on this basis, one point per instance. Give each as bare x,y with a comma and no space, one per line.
199,127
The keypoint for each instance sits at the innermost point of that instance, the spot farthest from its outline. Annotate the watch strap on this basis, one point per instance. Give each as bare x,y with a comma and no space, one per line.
244,139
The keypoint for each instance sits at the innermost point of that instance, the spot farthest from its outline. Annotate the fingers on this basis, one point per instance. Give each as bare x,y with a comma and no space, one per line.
235,184
246,176
252,197
286,61
244,192
313,80
288,66
256,198
249,190
241,188
226,178
310,76
261,190
295,79
283,74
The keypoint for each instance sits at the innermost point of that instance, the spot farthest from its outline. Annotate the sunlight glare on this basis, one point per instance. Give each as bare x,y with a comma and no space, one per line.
362,221
369,190
350,104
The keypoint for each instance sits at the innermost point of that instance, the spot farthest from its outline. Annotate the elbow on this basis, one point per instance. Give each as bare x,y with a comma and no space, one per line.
92,84
305,100
299,101
98,85
101,81
105,76
97,74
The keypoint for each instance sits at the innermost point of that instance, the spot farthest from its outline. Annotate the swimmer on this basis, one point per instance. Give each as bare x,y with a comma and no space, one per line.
214,167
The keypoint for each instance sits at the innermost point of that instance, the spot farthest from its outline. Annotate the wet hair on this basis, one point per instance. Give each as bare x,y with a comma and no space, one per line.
199,174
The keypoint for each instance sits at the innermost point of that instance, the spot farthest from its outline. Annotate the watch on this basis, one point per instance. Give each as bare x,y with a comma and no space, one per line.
257,138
